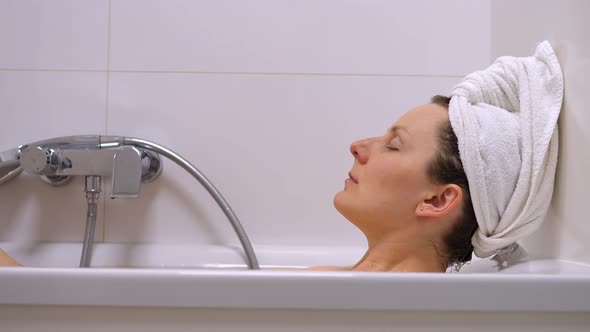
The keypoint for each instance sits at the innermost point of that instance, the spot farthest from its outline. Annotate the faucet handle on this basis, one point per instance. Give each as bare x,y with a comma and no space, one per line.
39,160
127,169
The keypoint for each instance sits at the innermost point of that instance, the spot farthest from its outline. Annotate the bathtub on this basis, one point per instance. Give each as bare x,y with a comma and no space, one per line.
210,285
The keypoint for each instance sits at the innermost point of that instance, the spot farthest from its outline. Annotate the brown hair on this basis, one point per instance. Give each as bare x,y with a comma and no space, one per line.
446,167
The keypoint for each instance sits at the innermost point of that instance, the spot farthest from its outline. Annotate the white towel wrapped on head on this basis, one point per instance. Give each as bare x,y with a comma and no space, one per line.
505,120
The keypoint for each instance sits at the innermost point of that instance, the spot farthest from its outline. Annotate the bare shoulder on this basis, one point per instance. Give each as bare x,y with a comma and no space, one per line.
317,268
328,268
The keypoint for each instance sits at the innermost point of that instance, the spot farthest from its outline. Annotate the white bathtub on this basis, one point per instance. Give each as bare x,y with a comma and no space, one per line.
206,280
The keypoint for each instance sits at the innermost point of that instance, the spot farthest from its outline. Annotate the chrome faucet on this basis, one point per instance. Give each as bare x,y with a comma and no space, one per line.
56,160
129,161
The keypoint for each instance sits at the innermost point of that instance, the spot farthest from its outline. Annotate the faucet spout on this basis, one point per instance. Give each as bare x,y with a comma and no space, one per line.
91,142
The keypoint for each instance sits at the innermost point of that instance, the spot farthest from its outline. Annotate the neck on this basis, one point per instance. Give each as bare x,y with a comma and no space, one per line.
399,251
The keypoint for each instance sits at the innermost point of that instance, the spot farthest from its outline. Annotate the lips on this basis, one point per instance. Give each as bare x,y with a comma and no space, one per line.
352,178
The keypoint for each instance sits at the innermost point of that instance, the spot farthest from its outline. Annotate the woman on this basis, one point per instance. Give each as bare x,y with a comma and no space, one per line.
408,194
472,173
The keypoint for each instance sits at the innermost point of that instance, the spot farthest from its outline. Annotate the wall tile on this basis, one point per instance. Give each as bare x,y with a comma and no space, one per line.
276,146
41,105
425,37
58,34
565,231
36,106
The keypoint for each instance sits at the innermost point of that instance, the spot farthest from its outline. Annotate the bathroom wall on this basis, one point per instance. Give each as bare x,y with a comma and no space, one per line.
263,96
517,26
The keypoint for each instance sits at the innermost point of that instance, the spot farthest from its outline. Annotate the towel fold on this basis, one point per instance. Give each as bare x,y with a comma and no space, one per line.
505,120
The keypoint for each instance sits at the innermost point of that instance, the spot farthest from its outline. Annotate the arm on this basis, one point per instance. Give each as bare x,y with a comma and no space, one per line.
6,260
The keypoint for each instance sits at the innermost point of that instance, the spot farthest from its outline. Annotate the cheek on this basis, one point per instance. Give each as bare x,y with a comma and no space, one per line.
394,184
386,191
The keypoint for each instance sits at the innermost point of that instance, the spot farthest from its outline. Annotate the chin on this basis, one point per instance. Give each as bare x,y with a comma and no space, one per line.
340,201
343,204
362,216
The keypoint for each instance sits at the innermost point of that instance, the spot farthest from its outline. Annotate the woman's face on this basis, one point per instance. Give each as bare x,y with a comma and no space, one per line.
388,180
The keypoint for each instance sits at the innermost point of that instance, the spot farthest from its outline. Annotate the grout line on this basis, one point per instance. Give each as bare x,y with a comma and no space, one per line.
491,32
106,117
106,123
55,70
277,73
108,71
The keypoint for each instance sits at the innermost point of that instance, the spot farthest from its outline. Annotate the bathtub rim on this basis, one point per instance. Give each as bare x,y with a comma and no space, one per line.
324,290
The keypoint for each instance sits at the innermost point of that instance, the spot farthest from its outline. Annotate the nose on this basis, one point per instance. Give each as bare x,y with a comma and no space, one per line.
360,149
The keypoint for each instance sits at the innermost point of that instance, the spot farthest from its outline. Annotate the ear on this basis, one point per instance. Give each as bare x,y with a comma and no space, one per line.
446,200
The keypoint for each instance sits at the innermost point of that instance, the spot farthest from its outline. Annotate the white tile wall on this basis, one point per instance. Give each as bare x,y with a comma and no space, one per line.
566,231
275,145
57,34
263,96
34,106
308,36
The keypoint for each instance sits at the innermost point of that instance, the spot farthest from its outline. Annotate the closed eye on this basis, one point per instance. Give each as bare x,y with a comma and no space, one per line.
393,144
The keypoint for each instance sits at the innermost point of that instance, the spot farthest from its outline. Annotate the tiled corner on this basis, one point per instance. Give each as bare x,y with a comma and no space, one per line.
565,231
37,106
57,34
276,146
308,36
